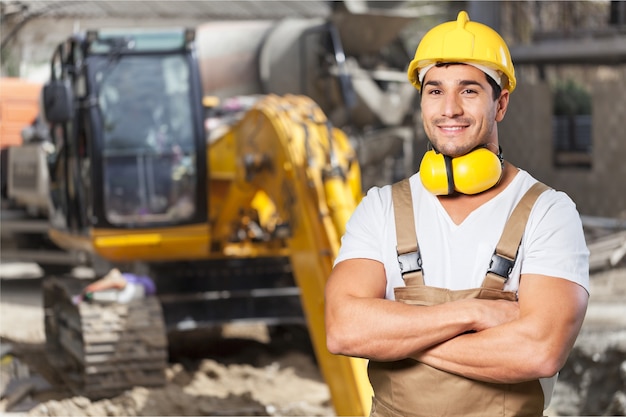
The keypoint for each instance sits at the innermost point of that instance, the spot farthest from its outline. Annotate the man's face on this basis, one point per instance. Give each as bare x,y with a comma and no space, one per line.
458,109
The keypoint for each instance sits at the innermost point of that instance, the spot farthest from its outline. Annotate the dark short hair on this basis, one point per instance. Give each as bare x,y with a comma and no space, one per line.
495,88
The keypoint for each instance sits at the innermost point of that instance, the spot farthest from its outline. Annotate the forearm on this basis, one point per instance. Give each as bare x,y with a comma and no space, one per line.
386,330
500,354
535,345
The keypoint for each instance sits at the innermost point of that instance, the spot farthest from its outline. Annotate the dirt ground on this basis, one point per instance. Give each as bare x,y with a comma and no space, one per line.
241,370
238,376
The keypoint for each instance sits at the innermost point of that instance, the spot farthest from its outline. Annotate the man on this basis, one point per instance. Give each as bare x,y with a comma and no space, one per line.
468,321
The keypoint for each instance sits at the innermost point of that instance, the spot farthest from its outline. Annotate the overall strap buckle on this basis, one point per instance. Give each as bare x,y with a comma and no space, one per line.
501,266
410,262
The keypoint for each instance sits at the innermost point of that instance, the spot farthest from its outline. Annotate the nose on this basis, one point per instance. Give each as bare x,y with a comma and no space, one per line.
452,106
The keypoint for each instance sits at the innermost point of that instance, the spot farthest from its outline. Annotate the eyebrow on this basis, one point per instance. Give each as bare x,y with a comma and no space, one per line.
464,83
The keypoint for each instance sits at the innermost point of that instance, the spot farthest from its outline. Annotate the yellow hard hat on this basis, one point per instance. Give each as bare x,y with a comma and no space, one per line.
466,42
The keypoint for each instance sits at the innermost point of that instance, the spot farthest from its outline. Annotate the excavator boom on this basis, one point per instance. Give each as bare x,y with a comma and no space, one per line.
310,173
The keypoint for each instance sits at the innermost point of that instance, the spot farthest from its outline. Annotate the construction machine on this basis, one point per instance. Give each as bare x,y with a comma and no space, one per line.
222,163
232,204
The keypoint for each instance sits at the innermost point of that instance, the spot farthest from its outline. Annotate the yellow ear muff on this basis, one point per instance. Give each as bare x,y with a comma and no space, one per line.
477,171
472,173
434,174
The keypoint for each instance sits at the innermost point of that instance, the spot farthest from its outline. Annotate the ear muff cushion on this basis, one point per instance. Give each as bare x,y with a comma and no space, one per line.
434,174
477,171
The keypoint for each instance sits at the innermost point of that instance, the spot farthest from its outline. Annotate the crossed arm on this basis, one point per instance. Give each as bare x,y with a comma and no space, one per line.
511,342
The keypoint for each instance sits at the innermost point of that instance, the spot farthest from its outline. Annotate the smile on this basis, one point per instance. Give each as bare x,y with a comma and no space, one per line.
452,128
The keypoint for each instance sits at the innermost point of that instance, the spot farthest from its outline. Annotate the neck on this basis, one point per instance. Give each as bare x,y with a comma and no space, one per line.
459,206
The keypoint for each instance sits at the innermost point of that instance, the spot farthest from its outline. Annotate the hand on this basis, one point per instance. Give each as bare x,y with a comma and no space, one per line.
492,313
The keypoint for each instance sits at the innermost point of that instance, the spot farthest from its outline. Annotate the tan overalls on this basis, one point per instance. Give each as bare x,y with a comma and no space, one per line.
410,388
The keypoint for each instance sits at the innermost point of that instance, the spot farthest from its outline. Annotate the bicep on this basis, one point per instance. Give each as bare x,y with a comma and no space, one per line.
552,310
358,278
350,290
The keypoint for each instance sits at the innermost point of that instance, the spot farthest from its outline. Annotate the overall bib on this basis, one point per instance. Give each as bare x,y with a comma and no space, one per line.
408,388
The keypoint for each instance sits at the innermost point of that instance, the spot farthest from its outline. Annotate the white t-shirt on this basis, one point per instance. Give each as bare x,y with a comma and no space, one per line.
457,256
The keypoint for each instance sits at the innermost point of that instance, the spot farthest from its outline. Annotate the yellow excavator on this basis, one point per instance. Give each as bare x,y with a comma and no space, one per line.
233,206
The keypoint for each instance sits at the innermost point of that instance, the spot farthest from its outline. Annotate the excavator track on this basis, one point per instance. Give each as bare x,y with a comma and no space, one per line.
103,349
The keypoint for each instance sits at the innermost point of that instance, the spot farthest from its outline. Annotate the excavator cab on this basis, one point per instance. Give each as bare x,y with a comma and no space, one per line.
127,125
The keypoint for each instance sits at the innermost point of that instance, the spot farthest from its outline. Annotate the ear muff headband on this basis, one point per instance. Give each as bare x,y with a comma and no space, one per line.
472,173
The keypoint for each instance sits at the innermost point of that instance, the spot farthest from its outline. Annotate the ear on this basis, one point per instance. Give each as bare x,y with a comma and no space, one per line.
502,104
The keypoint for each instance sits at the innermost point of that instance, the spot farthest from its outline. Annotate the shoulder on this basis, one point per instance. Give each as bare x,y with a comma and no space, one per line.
367,231
372,210
549,198
551,201
554,212
376,199
380,197
375,212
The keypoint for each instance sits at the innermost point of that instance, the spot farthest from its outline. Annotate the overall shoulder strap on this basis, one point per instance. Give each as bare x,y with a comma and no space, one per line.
504,256
408,249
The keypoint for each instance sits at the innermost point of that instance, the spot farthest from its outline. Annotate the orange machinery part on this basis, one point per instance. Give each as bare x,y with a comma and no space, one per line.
19,105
